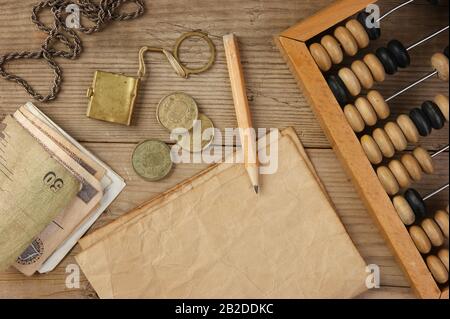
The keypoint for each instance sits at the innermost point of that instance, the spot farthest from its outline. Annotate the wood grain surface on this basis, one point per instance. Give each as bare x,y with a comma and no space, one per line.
274,98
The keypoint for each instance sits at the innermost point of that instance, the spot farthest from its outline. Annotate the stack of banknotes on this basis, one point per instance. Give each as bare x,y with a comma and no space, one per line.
52,190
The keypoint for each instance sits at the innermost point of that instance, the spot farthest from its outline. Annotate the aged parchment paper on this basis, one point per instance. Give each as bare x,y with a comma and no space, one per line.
211,237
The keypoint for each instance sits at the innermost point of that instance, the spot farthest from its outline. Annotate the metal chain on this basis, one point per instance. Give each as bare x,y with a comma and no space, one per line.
99,14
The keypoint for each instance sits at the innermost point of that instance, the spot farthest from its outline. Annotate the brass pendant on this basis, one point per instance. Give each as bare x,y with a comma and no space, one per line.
112,96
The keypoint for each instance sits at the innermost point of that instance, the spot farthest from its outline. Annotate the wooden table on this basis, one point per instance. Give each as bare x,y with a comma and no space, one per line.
275,100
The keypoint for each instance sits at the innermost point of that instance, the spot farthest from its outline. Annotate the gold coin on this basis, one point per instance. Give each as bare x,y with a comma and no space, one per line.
151,160
193,141
177,110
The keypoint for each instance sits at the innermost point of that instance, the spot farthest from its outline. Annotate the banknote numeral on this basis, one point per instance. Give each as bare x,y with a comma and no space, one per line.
53,182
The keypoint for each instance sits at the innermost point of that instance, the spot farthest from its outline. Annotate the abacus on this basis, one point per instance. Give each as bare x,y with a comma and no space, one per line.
312,49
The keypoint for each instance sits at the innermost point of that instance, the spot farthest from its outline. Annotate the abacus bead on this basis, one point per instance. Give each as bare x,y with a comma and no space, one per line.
387,59
396,135
383,142
416,203
347,40
387,180
333,49
358,32
373,32
350,80
400,173
363,74
424,159
443,256
420,239
379,104
421,122
321,56
412,166
408,128
371,149
442,102
400,53
437,269
354,118
441,218
375,66
338,88
434,114
404,211
433,232
440,63
366,111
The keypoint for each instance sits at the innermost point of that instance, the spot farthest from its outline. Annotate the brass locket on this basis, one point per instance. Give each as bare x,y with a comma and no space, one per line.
112,96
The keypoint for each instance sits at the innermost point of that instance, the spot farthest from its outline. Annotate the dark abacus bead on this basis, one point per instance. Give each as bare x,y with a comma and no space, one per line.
434,114
373,32
400,53
420,121
446,51
338,88
416,202
388,60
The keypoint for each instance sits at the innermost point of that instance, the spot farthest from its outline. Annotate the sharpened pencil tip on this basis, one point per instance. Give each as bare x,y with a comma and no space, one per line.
256,189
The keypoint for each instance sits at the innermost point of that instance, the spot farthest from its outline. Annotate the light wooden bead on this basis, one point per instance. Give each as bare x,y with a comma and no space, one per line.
350,80
375,66
440,63
347,40
400,173
443,256
437,269
442,103
366,111
371,149
379,104
408,128
321,56
433,232
384,142
420,239
363,74
404,210
354,118
387,180
333,48
424,159
358,32
412,166
441,218
396,135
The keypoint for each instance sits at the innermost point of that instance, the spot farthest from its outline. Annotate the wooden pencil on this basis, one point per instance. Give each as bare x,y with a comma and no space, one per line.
243,114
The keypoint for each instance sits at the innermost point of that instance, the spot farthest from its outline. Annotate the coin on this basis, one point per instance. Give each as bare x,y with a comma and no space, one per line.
177,110
195,144
151,160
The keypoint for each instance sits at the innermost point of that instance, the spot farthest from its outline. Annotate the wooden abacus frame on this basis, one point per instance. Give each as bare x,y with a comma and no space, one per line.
292,44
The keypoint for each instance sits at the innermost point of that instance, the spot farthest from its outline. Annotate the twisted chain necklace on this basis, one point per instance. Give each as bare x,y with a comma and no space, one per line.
99,14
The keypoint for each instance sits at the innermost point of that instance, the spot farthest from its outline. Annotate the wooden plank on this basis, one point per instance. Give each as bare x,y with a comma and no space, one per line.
348,205
324,19
355,162
272,90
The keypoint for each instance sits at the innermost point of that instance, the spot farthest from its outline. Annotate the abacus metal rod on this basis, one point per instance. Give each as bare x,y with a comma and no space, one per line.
394,9
440,152
412,46
435,192
412,85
